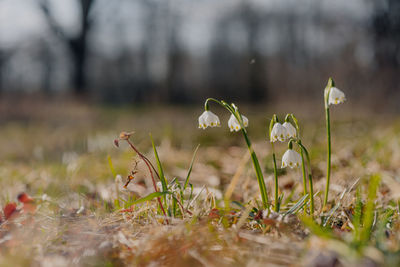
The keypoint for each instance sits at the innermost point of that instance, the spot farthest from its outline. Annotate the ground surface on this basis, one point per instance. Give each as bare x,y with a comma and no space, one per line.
58,154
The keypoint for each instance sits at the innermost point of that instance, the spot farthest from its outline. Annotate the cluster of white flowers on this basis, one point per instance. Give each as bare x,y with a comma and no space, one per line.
282,132
209,119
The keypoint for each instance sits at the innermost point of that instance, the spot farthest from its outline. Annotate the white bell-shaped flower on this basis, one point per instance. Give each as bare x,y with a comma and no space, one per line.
234,125
208,119
278,133
290,130
291,158
336,96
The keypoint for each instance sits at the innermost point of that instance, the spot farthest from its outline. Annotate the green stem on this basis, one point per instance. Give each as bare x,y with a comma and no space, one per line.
303,167
303,148
328,168
260,178
311,193
303,170
257,168
276,179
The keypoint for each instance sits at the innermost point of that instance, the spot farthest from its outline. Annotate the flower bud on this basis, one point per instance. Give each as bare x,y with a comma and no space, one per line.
116,142
124,135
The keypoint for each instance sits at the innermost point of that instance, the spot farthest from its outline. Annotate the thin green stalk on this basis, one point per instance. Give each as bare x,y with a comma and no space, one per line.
303,148
276,179
256,164
328,167
257,168
271,125
303,167
303,170
311,192
150,167
328,87
369,210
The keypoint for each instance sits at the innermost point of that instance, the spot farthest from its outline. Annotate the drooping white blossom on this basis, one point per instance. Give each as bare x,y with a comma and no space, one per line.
208,119
336,96
290,130
278,133
234,125
291,158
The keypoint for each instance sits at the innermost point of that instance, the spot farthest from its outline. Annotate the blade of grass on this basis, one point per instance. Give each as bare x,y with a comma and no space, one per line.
369,213
289,197
114,173
159,166
190,168
150,197
297,206
236,176
381,227
194,199
316,228
339,203
357,215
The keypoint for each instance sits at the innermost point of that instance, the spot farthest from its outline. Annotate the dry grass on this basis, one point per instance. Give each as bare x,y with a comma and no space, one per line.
59,157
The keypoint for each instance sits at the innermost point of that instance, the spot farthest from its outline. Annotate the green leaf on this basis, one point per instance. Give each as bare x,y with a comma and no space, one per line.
159,166
317,229
384,219
369,213
190,167
111,166
298,205
357,214
150,197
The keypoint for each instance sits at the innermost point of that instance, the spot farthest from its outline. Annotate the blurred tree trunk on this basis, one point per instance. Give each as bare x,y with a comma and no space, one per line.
257,72
148,46
2,61
385,27
5,55
386,33
47,71
77,45
175,88
176,91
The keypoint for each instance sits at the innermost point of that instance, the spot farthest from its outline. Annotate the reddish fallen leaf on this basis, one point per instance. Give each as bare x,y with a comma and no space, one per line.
288,185
116,142
10,209
28,202
127,210
24,198
271,222
214,214
259,215
29,208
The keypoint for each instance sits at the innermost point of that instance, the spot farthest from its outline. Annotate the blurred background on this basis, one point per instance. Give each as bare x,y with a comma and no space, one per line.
182,51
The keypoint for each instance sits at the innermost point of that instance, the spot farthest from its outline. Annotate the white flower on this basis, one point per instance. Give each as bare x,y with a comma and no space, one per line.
336,96
278,133
291,158
290,130
208,119
234,125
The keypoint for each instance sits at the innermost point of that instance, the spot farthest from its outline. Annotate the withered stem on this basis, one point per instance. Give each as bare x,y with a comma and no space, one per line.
149,166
